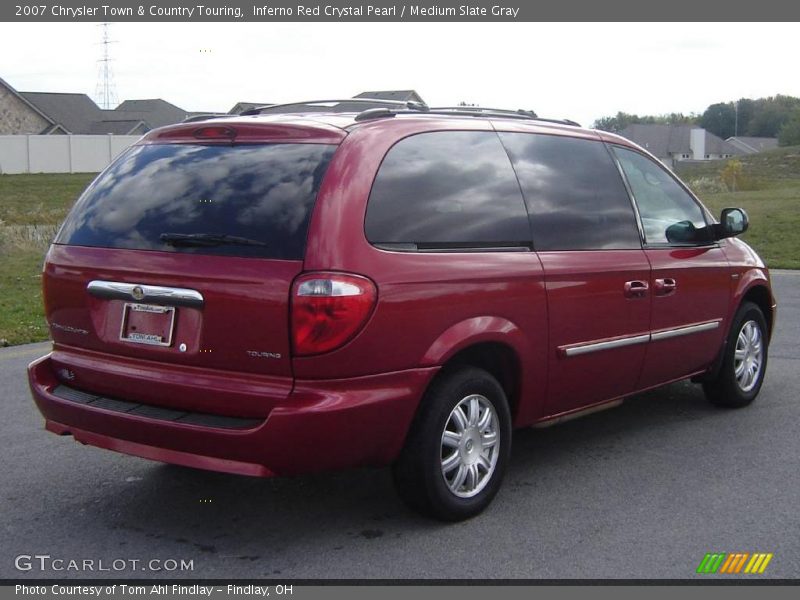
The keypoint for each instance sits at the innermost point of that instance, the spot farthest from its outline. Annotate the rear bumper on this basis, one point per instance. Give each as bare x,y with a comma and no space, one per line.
321,425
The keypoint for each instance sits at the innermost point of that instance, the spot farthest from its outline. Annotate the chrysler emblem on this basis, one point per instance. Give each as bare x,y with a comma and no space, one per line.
137,293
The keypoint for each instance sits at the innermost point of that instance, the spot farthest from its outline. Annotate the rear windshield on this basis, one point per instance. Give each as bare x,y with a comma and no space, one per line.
246,200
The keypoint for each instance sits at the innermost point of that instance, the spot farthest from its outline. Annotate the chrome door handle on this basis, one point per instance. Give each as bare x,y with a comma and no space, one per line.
666,286
636,289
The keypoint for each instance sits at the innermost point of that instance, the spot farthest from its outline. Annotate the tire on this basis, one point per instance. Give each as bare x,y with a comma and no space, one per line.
742,372
461,487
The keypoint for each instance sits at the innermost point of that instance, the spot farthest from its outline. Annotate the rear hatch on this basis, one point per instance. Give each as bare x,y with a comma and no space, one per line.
182,254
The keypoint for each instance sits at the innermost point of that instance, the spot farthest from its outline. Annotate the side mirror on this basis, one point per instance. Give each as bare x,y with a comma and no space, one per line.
682,232
732,222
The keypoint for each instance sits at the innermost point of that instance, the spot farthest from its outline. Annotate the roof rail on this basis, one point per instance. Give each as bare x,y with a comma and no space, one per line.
464,111
396,103
390,108
520,112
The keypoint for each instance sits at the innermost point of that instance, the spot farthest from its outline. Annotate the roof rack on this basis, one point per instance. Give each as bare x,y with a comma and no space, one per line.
390,108
463,111
519,113
397,103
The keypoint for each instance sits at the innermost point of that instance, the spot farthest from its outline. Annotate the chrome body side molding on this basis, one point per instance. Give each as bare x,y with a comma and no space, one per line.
686,330
641,338
578,349
154,294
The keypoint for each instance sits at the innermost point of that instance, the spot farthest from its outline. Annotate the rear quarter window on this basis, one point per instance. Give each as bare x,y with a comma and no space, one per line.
259,192
449,189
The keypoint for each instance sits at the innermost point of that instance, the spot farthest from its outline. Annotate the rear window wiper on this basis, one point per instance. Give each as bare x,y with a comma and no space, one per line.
207,240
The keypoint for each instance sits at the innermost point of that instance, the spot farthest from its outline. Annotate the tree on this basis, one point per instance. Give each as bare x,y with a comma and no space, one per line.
731,175
745,109
616,123
720,119
790,132
677,119
621,120
771,114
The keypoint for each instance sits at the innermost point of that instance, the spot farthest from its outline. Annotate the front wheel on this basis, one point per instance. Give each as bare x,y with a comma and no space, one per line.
456,452
739,379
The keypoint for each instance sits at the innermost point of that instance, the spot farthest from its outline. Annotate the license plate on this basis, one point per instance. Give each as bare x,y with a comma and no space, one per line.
147,324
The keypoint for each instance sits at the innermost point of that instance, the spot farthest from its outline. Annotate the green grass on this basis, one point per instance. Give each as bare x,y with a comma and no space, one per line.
39,199
31,208
770,194
774,221
21,313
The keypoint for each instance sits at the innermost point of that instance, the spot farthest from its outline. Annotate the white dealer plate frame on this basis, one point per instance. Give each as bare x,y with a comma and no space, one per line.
148,339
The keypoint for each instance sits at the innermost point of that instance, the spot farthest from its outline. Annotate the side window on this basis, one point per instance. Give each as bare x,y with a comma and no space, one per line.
575,195
669,214
447,189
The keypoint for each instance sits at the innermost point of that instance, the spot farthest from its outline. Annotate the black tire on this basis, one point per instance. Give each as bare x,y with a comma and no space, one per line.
725,389
418,472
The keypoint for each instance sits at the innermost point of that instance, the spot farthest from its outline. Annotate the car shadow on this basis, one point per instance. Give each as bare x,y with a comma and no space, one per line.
245,519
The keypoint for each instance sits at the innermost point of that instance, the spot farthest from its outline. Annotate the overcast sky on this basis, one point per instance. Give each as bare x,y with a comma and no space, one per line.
578,71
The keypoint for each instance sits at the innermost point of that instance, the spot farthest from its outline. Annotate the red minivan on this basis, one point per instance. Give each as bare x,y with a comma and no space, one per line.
274,294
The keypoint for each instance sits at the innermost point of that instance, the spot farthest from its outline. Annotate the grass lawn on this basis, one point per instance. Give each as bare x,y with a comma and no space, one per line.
32,207
21,313
774,221
39,199
770,194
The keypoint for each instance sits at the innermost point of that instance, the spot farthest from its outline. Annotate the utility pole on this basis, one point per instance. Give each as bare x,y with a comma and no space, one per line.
106,93
736,120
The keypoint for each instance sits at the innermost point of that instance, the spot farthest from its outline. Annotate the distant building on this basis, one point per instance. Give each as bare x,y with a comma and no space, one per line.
752,145
155,112
77,113
48,113
675,143
19,116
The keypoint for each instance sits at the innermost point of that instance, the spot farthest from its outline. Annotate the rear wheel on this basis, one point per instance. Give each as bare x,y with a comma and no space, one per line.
456,452
739,380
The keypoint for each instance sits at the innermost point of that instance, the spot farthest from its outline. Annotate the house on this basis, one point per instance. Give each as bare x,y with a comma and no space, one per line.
155,112
752,145
77,113
48,113
674,143
19,116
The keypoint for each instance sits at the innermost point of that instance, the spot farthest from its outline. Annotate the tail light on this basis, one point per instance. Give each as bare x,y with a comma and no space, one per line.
328,310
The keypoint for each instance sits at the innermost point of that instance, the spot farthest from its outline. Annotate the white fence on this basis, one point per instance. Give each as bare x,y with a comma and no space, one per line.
60,153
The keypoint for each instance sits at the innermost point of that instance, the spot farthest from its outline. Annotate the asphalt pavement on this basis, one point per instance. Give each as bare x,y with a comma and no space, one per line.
641,491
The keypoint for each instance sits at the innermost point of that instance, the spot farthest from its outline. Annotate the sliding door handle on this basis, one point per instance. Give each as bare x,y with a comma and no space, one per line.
636,289
666,286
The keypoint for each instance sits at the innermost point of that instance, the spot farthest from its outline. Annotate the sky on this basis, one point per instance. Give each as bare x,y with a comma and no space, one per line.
580,71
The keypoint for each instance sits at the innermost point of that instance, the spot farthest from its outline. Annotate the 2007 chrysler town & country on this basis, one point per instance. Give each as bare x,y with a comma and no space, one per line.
279,294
